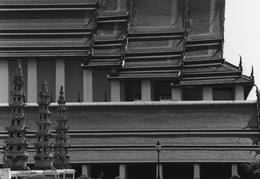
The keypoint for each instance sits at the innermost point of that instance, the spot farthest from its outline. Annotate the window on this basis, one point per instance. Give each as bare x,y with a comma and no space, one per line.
192,94
101,86
223,93
74,93
46,138
161,91
46,72
19,135
133,91
39,150
19,148
11,148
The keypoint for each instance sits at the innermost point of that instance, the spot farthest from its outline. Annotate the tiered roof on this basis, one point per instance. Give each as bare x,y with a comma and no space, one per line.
177,41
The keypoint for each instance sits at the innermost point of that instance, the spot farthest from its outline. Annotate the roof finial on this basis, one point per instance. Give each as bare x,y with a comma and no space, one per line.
252,74
240,63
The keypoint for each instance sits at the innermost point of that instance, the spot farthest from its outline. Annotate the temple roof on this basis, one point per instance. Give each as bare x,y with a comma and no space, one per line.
170,41
200,131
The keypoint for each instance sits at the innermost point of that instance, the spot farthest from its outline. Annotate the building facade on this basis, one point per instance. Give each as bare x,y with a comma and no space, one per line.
134,72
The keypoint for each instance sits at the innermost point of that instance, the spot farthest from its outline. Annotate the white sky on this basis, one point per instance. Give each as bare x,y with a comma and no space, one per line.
242,36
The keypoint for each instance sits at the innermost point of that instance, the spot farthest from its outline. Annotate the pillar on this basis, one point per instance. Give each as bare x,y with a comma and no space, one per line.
4,81
239,93
234,169
32,81
86,170
146,91
123,171
5,173
196,171
87,85
60,77
115,91
161,171
176,94
207,93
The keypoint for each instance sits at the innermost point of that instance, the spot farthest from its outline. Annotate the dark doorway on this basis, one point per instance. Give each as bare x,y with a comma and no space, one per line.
178,170
215,170
141,171
108,171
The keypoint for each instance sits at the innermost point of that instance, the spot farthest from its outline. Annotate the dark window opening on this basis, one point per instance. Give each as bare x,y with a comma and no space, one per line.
39,150
215,171
11,148
46,138
161,91
223,93
19,148
178,170
192,94
135,171
133,91
109,171
19,135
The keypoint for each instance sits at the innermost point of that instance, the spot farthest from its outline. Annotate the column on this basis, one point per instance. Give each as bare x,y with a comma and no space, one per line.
196,171
207,94
161,171
115,91
234,170
239,93
86,170
87,85
32,81
146,91
4,81
123,171
5,173
176,94
60,77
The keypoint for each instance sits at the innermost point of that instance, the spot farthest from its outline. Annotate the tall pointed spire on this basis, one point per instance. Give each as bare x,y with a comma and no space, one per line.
15,155
61,156
43,158
240,64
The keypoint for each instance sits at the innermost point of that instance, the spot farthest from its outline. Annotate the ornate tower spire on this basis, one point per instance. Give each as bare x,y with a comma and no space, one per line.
43,158
61,156
15,155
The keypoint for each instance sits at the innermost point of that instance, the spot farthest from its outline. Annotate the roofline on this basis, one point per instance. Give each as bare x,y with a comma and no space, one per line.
146,103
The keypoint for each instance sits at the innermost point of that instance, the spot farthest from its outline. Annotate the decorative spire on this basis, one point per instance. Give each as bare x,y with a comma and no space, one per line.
61,156
18,77
43,158
252,74
240,64
15,151
61,97
19,71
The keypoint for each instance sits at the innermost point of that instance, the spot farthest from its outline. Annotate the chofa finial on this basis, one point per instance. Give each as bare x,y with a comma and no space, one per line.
240,63
252,74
